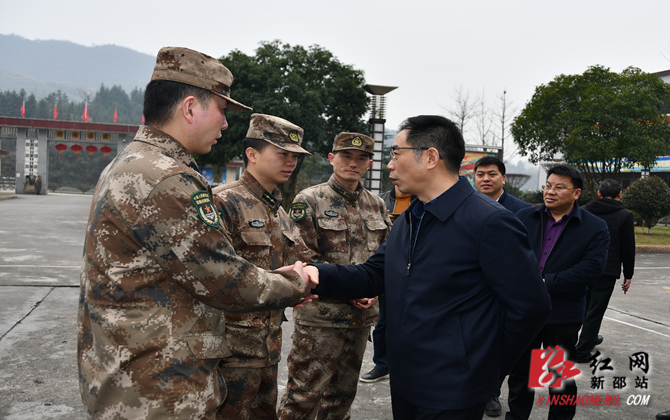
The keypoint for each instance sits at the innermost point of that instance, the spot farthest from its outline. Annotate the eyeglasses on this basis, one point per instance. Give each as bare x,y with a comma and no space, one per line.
556,188
394,148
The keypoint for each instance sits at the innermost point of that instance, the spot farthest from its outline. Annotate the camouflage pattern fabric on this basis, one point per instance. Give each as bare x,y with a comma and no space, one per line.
324,366
252,393
343,227
158,268
263,234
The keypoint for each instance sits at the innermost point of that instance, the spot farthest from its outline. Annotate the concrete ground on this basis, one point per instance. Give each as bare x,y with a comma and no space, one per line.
41,240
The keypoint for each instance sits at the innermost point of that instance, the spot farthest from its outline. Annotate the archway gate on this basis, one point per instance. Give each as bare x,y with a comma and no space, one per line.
34,137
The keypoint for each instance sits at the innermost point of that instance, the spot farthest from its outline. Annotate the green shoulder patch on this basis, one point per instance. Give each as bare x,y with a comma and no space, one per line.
298,211
205,208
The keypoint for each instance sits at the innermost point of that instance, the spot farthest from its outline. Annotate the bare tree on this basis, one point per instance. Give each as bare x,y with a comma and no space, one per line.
464,109
504,114
85,93
484,120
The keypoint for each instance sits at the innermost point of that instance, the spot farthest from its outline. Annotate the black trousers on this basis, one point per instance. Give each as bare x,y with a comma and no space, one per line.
405,410
521,398
597,300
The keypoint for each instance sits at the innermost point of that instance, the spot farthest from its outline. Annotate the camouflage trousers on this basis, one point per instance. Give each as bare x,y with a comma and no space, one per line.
323,369
252,393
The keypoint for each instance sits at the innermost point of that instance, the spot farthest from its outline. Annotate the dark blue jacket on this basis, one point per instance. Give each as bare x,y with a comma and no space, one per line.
463,309
576,260
512,203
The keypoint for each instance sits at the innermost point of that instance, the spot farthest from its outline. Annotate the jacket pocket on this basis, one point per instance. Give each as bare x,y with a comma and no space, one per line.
455,345
332,235
376,233
208,346
246,319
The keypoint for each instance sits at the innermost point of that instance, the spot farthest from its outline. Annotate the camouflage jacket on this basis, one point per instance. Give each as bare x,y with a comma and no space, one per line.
263,234
344,228
158,268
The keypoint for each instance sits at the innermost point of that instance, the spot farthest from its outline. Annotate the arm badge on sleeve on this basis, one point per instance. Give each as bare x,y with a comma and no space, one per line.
298,211
205,208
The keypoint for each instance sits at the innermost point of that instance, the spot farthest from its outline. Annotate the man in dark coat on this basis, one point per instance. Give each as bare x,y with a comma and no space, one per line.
621,225
463,290
571,249
489,180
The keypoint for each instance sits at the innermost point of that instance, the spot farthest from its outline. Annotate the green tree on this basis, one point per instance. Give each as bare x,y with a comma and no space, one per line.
307,86
599,121
649,199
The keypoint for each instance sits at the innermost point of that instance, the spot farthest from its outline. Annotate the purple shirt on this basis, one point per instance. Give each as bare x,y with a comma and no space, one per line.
551,232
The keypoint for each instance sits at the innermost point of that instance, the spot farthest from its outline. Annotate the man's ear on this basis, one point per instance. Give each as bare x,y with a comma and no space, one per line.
187,107
251,154
433,157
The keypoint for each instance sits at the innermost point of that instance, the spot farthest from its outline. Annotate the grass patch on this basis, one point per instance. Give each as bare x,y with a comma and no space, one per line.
659,235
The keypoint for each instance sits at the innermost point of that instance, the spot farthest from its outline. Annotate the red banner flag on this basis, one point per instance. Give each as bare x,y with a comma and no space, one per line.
116,115
23,110
55,111
84,116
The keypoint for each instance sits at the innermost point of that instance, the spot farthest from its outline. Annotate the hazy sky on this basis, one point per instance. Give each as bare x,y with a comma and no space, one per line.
426,48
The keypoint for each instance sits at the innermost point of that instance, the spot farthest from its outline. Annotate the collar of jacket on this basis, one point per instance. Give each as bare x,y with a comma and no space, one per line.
446,203
272,200
168,144
577,213
338,188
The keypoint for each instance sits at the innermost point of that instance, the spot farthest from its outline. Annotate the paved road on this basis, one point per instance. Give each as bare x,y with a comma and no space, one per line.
41,240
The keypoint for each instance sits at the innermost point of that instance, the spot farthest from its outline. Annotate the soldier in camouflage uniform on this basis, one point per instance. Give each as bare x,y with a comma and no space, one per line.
344,223
158,266
264,235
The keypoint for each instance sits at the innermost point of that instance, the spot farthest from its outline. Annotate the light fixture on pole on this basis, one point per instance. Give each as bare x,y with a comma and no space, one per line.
377,120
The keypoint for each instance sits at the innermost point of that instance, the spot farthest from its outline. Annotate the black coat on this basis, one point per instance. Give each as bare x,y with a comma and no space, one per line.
621,225
461,311
512,203
577,259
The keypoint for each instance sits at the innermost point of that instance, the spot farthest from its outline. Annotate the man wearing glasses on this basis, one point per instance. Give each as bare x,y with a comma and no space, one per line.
464,295
571,248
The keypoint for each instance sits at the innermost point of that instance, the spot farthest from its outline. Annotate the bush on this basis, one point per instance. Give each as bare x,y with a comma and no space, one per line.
649,199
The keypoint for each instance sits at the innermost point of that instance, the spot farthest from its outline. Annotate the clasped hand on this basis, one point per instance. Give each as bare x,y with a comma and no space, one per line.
309,275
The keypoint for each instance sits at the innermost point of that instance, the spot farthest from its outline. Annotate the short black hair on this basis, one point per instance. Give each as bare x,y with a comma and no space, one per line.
256,144
438,132
569,171
162,96
609,188
491,160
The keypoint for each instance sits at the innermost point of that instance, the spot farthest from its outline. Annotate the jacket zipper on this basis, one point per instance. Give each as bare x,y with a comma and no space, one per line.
418,229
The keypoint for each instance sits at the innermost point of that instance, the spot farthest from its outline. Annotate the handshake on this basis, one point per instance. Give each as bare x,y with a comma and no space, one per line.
309,275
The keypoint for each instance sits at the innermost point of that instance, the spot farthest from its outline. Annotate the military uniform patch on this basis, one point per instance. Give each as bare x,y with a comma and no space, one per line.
256,224
205,208
293,135
331,213
298,211
356,141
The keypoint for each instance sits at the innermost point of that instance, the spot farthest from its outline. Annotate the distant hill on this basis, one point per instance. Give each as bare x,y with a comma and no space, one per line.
42,67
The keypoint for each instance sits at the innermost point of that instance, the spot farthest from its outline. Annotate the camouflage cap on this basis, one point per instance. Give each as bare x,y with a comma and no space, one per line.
354,141
276,131
196,69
